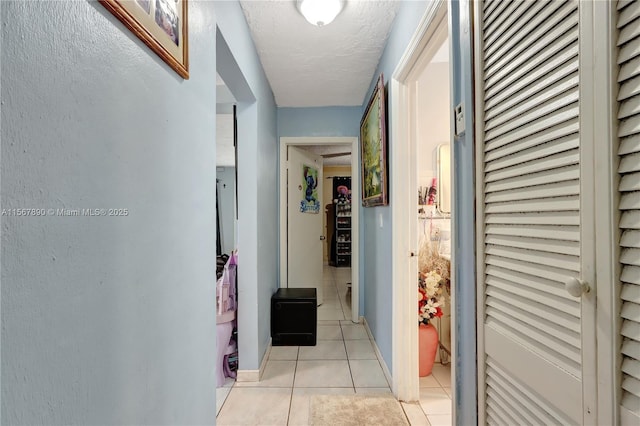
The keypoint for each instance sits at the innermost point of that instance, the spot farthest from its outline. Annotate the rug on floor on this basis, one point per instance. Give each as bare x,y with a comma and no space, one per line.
356,410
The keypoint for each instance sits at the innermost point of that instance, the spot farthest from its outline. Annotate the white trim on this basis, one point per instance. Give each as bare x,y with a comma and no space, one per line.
254,375
405,383
480,217
589,115
355,209
385,369
606,212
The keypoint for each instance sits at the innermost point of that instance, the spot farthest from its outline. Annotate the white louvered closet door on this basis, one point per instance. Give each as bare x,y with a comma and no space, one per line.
531,365
629,169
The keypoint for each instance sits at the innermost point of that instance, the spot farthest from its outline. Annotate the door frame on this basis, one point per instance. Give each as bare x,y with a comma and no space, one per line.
285,142
406,384
599,250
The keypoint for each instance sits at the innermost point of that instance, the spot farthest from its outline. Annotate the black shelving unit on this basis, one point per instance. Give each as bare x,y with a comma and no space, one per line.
343,234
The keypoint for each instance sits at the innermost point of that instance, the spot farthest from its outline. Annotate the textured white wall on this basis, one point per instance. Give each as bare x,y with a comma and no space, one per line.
227,207
106,320
433,118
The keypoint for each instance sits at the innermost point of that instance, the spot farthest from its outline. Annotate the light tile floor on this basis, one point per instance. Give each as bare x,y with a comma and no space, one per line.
343,362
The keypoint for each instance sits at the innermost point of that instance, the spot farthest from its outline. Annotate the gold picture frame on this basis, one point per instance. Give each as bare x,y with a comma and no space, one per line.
160,24
373,149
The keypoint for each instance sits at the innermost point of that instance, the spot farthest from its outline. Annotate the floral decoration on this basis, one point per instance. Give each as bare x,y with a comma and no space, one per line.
433,282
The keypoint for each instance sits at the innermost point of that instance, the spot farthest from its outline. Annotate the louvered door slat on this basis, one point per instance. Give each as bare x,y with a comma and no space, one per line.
629,107
488,6
524,336
535,42
629,32
549,175
526,12
539,244
535,128
525,166
534,218
534,153
630,219
568,263
517,414
630,274
494,25
507,99
630,347
628,14
531,233
546,413
563,309
628,23
631,257
516,265
629,87
629,145
539,283
538,205
569,234
559,189
526,18
629,69
494,9
541,99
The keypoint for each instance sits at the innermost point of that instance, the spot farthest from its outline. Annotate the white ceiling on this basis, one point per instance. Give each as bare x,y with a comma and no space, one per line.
343,160
311,66
225,151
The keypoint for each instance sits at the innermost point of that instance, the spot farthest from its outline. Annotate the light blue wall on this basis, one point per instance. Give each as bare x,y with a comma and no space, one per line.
319,121
375,241
106,320
461,43
240,68
226,177
333,121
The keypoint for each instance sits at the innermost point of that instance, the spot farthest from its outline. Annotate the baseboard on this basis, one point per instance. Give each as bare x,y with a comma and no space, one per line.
254,375
383,364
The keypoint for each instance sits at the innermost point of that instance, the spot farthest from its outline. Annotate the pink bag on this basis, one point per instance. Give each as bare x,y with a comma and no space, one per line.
226,287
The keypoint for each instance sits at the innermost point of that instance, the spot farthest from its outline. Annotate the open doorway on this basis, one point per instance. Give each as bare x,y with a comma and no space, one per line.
421,200
328,149
226,242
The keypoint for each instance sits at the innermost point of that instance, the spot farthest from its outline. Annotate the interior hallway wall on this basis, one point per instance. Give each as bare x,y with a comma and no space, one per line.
240,68
106,319
343,121
226,177
375,232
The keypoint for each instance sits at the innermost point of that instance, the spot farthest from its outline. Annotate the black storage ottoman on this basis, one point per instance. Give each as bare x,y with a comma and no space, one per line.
294,314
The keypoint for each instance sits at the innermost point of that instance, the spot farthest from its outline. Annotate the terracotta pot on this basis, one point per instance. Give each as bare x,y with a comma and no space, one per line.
427,348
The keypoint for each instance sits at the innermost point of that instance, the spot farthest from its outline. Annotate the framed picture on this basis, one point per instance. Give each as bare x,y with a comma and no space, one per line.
160,24
373,149
311,202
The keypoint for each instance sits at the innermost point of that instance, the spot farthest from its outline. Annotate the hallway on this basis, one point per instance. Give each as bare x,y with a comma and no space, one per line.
343,362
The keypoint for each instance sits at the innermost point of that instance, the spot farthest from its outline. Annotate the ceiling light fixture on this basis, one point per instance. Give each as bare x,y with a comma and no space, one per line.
320,12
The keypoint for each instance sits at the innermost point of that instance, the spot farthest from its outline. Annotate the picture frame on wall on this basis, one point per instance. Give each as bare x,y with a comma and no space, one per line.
160,24
373,149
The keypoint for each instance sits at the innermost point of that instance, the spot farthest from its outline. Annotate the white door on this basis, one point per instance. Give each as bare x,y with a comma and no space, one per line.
536,341
628,23
304,220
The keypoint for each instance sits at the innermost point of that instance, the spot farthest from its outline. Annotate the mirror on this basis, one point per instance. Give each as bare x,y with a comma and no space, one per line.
444,177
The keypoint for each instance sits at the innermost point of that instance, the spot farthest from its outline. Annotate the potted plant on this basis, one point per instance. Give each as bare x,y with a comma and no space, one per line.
433,282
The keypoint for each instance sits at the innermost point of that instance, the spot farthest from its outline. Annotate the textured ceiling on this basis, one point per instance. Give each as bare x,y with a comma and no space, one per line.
343,160
319,66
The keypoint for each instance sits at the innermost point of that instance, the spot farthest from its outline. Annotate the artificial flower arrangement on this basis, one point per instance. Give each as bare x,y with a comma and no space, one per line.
433,281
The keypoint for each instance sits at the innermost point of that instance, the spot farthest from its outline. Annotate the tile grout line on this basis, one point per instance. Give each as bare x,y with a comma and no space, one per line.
293,385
